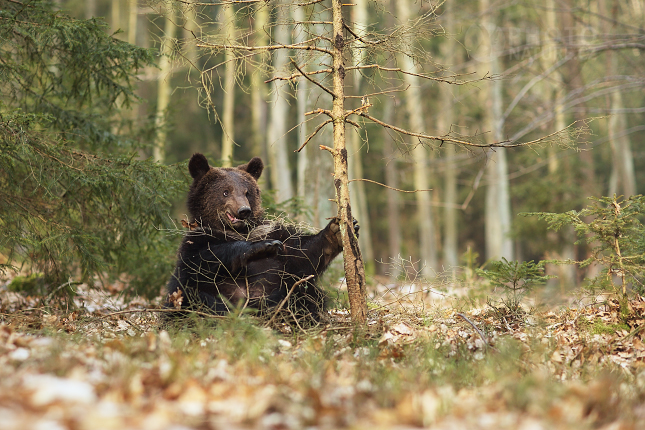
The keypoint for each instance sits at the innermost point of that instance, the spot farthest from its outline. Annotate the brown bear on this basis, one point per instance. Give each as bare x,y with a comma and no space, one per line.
233,256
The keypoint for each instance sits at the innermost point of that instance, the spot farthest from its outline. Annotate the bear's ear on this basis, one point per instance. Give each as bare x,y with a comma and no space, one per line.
198,166
253,167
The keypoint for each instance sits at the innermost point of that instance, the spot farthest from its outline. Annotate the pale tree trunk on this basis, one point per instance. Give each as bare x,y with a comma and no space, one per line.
115,17
191,32
133,17
277,144
573,81
302,95
163,86
353,262
498,204
357,188
623,161
393,201
566,274
414,105
228,105
258,87
90,9
445,119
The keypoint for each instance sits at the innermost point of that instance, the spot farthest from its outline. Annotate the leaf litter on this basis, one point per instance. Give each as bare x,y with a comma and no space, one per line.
108,365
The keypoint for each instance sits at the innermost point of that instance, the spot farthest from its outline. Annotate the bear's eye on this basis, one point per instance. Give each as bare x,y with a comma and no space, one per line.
225,193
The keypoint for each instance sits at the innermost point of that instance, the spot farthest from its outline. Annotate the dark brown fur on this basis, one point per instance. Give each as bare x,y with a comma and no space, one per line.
235,256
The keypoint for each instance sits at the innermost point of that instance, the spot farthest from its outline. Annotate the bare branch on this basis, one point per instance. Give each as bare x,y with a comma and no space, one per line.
324,88
319,111
267,47
449,80
399,90
312,135
296,75
279,308
386,186
510,143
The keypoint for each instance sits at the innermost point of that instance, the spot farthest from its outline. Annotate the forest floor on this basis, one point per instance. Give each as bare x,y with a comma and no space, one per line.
425,359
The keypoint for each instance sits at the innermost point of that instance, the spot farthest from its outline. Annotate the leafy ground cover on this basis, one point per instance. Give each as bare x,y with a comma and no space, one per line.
426,359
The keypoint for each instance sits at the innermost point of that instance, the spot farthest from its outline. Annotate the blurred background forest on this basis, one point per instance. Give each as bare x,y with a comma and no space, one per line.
520,70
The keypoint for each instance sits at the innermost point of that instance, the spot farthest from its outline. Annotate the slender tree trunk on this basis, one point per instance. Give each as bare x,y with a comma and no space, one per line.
420,155
302,94
573,81
258,87
228,106
133,17
393,201
566,274
445,120
115,18
353,262
191,32
163,86
357,188
623,160
277,144
90,9
498,205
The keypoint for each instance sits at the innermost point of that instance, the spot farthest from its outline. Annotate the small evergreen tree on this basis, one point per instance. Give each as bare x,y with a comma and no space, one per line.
613,227
75,202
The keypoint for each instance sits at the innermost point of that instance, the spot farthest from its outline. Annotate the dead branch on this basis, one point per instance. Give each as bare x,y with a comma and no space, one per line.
279,308
313,134
396,90
324,88
449,80
481,334
267,47
386,186
501,144
319,111
296,75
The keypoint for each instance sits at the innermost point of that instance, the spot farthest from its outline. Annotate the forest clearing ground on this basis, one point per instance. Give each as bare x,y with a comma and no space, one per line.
417,364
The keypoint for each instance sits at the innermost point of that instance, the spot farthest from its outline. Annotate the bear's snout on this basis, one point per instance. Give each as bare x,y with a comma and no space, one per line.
244,212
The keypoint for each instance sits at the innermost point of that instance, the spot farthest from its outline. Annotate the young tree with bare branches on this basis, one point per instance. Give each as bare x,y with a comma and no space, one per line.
328,43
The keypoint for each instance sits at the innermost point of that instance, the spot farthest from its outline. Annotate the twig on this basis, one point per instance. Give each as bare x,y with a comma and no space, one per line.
420,75
312,135
324,88
275,313
481,334
386,186
296,75
501,144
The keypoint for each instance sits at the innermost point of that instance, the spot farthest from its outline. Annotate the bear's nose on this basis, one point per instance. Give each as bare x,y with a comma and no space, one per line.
244,212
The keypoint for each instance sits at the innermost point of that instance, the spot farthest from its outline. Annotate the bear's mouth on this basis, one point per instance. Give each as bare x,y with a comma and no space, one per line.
233,220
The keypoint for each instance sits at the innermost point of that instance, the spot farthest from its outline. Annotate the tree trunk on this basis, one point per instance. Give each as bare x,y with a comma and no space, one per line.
163,86
498,204
445,120
133,17
228,105
623,160
277,145
259,88
420,155
393,201
573,81
357,188
90,9
353,262
302,94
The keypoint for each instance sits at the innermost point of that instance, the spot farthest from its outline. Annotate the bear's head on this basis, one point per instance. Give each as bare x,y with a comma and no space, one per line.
223,197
